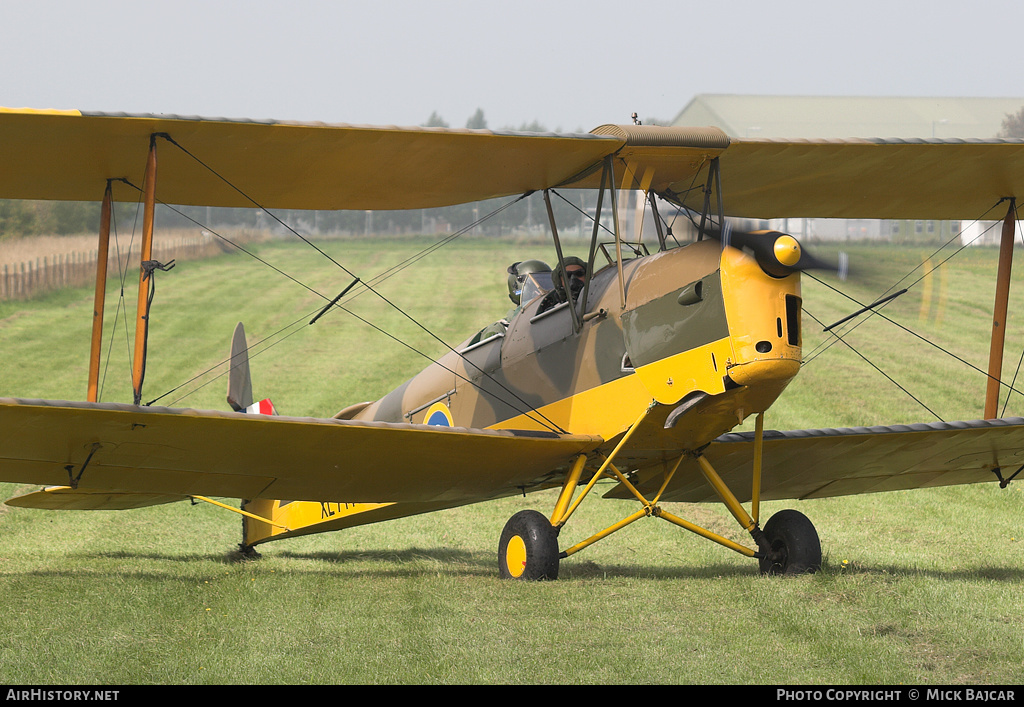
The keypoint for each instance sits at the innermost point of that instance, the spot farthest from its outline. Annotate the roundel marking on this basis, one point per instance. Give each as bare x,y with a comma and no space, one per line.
439,416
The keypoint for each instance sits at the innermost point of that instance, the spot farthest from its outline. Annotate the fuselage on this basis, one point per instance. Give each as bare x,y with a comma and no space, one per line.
698,320
706,338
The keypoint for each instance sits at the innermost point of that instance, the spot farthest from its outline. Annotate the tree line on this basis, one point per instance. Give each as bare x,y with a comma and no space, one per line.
1013,125
29,218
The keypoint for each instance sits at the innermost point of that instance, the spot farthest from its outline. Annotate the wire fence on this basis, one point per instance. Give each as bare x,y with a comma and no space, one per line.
31,278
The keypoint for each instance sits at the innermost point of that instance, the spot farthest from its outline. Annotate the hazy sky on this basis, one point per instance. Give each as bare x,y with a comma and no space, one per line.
569,65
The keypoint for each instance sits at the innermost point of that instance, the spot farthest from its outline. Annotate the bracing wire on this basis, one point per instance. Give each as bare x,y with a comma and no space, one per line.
887,376
838,336
825,345
122,268
907,330
529,412
550,424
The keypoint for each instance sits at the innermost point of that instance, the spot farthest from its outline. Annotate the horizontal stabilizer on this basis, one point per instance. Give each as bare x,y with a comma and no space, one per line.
65,498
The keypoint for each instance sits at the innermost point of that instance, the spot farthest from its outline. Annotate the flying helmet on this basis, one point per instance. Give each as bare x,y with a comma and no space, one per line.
571,260
519,279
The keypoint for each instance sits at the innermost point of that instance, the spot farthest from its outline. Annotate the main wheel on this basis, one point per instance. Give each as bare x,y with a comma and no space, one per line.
794,543
528,548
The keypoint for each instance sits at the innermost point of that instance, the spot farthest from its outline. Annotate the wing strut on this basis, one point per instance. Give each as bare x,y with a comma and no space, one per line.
995,355
92,394
561,269
241,512
142,311
609,165
714,182
591,258
662,244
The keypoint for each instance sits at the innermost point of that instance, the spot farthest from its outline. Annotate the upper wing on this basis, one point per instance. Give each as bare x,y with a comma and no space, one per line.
854,178
69,155
902,179
113,447
838,462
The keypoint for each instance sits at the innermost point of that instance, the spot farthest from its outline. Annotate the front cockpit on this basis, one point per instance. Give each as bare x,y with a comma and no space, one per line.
536,284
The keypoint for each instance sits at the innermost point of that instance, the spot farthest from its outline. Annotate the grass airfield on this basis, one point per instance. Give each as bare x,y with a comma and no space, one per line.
917,587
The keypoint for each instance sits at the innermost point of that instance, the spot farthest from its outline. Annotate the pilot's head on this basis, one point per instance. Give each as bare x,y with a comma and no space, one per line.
527,279
574,267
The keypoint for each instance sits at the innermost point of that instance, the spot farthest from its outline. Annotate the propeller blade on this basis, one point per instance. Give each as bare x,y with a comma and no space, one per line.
779,254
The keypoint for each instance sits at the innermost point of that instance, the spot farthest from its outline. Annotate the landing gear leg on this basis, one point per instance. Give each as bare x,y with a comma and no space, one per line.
528,548
789,543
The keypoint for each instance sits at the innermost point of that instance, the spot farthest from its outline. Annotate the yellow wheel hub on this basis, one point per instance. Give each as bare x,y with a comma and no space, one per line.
515,556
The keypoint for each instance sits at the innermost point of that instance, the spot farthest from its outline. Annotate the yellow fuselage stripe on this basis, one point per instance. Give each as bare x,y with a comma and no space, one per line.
608,410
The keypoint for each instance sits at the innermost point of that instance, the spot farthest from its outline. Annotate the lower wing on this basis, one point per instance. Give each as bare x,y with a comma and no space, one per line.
839,462
166,454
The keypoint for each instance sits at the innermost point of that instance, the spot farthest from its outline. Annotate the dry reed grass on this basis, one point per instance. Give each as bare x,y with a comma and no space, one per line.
34,265
22,250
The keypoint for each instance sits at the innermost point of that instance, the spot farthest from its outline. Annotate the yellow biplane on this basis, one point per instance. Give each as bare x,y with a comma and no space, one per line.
636,372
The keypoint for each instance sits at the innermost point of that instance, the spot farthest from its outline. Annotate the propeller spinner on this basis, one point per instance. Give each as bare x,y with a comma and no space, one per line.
779,254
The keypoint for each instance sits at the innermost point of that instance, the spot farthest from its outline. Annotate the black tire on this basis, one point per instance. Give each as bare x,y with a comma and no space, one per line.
794,543
529,543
